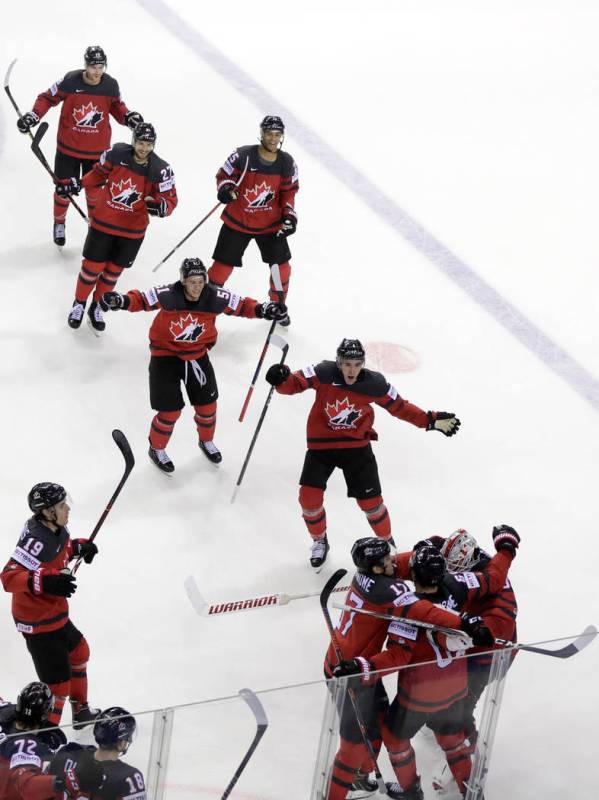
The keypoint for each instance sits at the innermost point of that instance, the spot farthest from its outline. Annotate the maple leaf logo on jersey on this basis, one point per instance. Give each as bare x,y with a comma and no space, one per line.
186,329
259,196
124,193
87,116
342,414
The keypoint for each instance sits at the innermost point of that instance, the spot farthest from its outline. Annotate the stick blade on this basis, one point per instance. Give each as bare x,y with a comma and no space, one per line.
278,341
195,596
8,71
256,707
330,585
586,637
39,134
121,442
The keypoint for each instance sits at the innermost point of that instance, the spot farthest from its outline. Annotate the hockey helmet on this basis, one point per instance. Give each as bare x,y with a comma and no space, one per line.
144,132
114,725
45,495
427,566
461,551
94,54
34,703
352,350
192,267
369,552
272,123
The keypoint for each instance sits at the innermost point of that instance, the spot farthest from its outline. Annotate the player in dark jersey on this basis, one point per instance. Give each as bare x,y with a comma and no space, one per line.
24,748
135,184
180,336
39,580
261,208
89,98
339,433
114,730
375,588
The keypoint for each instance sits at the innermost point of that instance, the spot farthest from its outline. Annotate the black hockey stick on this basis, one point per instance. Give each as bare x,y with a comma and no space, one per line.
324,600
261,725
200,223
121,442
35,139
276,340
276,279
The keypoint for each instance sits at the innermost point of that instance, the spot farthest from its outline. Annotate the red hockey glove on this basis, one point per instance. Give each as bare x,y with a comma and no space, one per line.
277,374
271,310
355,666
227,192
115,301
27,121
86,549
68,186
132,119
157,208
443,421
61,584
506,538
476,629
289,223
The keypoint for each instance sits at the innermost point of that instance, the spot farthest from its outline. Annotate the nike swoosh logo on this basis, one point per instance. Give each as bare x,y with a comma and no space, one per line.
79,90
123,163
337,384
253,169
368,490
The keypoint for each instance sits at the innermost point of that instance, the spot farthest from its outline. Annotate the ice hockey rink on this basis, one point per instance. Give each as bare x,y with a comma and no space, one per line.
447,154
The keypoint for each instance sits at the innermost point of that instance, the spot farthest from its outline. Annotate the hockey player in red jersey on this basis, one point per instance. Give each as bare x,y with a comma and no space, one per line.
180,336
261,208
135,184
89,98
39,580
339,434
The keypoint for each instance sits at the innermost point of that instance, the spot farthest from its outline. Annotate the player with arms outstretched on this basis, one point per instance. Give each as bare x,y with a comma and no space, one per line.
340,431
38,577
180,336
261,208
89,98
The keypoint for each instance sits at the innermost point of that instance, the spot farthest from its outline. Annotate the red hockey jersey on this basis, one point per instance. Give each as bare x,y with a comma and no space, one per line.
185,328
267,189
38,549
342,415
84,127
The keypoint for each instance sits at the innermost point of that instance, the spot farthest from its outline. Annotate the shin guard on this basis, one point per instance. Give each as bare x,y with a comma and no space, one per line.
311,500
205,420
87,279
377,516
162,428
219,273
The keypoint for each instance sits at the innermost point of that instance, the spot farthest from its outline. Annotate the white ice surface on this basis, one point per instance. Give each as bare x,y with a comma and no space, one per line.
480,120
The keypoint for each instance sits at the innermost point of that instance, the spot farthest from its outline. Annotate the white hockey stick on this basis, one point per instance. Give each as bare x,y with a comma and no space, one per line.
261,725
205,609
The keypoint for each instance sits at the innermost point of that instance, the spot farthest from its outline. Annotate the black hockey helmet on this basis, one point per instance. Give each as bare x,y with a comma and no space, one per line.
427,566
95,55
272,123
369,552
45,495
193,266
34,703
351,349
114,725
144,132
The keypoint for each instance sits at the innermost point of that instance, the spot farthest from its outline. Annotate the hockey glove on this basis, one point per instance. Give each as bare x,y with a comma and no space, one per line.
271,310
157,208
355,666
476,629
53,738
289,224
59,585
432,541
443,421
226,193
132,119
68,186
277,374
86,549
505,538
27,121
115,301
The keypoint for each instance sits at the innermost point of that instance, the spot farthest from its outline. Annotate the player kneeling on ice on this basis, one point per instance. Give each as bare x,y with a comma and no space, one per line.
114,731
135,185
339,435
182,333
38,577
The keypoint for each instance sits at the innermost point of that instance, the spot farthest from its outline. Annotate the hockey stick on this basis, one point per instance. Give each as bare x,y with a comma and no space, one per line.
205,609
582,641
276,279
200,223
324,599
279,342
35,140
259,713
121,442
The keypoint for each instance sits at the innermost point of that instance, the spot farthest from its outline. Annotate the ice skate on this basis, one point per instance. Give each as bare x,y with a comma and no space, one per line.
76,315
162,461
211,451
83,714
95,318
318,553
59,234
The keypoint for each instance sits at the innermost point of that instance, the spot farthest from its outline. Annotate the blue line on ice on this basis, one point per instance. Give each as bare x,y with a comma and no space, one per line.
386,208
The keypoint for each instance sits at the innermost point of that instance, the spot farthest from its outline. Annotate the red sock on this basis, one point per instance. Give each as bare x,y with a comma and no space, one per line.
311,500
87,279
348,760
61,207
457,754
60,692
205,420
402,758
78,659
107,280
285,270
162,428
219,273
377,516
91,195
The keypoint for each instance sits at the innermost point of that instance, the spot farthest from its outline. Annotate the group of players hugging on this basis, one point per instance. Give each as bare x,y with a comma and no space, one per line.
456,583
